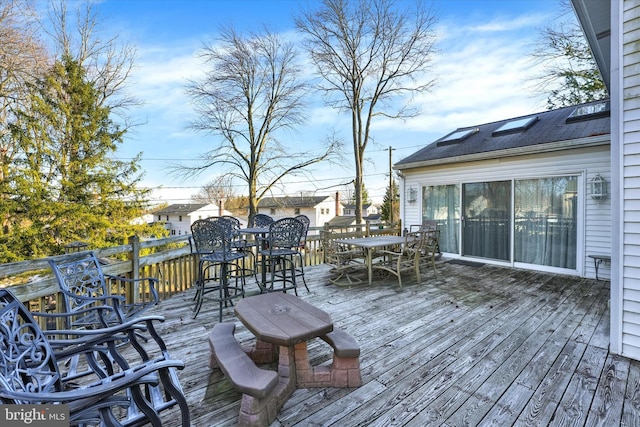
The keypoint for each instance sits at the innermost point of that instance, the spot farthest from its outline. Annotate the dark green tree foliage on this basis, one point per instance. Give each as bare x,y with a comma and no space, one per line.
65,186
390,203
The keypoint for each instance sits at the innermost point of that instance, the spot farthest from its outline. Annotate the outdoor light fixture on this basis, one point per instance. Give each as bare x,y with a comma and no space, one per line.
598,188
411,197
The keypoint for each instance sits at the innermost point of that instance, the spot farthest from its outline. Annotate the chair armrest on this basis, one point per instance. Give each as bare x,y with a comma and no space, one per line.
152,281
102,389
105,315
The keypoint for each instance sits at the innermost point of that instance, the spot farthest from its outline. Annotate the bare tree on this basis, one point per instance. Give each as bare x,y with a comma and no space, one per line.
22,57
369,53
107,60
569,73
221,188
252,91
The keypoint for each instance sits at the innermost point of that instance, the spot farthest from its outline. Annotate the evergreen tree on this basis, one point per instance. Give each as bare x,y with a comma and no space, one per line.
391,203
66,187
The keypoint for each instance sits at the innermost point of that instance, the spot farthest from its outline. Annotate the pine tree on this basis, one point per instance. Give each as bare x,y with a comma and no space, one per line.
390,203
66,187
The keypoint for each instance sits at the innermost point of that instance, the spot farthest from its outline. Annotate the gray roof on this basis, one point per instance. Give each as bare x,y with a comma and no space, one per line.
180,209
291,202
551,127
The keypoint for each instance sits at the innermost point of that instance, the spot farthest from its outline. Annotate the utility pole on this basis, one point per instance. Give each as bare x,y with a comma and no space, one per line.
391,192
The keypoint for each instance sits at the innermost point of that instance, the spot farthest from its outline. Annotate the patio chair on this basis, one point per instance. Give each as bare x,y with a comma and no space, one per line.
427,225
216,263
83,285
344,263
417,246
262,220
303,243
239,244
280,251
118,394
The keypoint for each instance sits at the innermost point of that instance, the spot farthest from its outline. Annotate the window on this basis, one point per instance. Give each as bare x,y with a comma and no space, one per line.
159,217
272,211
457,136
296,211
517,125
180,218
585,112
167,217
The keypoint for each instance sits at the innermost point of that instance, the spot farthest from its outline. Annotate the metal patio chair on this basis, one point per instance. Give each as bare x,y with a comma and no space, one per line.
280,251
216,264
83,285
119,393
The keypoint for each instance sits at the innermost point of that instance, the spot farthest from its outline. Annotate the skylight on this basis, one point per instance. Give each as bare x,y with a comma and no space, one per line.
457,136
585,112
517,125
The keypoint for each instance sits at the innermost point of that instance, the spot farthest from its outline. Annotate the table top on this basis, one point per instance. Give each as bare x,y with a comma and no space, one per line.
254,230
282,319
372,241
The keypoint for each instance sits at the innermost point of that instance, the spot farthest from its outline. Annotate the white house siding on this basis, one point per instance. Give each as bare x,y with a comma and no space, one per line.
625,94
585,162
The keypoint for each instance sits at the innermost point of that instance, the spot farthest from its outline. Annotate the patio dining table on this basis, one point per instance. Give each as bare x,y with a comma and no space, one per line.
370,244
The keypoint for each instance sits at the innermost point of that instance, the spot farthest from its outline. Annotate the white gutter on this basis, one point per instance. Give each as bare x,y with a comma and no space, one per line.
591,141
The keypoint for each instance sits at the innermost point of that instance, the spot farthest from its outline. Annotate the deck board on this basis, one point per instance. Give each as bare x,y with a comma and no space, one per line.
471,346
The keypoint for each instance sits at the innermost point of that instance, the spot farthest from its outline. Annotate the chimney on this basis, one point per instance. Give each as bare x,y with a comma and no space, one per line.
337,203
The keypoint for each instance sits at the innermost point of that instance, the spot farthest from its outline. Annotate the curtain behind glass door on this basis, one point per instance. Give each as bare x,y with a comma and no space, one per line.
546,223
487,219
442,204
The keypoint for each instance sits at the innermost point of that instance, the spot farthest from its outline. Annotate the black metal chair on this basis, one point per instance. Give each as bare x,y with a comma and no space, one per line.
281,249
240,244
120,392
216,264
262,220
83,285
303,244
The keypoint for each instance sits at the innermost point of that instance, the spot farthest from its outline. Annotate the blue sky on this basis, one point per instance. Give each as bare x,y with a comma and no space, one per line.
483,73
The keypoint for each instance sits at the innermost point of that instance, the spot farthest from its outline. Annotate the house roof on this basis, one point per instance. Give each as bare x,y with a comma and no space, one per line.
545,131
180,209
342,221
365,206
292,202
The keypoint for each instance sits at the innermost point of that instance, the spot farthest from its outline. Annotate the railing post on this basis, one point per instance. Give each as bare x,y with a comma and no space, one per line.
134,257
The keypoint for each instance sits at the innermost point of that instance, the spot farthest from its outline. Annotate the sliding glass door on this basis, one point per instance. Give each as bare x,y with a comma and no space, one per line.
487,220
529,221
546,221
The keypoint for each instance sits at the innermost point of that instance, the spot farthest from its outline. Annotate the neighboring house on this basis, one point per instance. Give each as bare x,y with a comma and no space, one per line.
319,209
368,209
613,31
518,192
179,217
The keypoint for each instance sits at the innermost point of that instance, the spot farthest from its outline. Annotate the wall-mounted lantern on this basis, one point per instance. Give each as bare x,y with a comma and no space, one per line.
598,188
412,195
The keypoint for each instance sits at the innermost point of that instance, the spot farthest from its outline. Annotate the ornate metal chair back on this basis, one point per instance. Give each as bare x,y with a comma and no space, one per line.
81,280
285,233
262,220
27,362
210,236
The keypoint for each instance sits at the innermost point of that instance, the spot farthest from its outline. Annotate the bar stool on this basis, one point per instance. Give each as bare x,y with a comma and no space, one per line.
281,249
216,262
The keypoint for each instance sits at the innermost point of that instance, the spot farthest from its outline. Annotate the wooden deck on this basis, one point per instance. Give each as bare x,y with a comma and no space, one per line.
478,345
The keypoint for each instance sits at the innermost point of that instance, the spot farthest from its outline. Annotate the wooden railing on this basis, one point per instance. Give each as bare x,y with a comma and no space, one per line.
167,259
